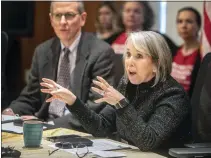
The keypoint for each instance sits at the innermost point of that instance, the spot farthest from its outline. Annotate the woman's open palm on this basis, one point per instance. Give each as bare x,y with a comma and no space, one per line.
108,93
57,92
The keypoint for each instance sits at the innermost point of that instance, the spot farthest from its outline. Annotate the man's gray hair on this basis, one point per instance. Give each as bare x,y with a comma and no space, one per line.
81,8
155,46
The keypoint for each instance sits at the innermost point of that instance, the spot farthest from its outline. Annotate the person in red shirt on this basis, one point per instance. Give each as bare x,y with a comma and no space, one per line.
108,25
186,60
136,16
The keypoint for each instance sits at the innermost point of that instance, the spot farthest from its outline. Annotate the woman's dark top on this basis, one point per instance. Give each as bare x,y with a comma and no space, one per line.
112,38
153,116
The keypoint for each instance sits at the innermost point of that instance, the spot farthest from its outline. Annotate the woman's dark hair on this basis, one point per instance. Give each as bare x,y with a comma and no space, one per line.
148,15
109,5
116,24
197,14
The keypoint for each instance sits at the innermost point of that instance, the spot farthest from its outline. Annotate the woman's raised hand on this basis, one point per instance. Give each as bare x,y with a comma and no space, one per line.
57,92
108,93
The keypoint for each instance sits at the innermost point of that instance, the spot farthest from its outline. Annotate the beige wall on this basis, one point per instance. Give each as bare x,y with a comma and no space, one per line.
156,8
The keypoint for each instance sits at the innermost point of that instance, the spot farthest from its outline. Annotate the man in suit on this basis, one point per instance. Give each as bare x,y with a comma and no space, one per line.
81,54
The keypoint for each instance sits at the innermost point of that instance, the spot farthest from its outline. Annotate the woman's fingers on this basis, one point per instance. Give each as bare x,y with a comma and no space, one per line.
107,93
100,100
103,81
46,90
47,85
100,84
51,82
58,86
60,92
53,98
50,99
53,88
101,92
48,81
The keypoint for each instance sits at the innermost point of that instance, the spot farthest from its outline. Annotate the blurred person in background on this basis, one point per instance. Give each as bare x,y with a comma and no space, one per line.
107,23
149,109
136,16
187,58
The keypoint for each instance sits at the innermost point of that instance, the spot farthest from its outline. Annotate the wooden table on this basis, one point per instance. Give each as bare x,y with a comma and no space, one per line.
16,140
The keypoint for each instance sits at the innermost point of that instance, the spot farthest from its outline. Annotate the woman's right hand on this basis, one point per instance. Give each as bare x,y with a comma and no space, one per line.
57,92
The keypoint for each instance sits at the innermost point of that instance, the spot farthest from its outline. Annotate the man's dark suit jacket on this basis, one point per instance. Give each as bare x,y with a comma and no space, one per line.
94,58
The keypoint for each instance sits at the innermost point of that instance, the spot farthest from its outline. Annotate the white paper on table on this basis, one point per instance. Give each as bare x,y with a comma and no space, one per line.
105,144
109,154
10,127
8,117
98,145
50,123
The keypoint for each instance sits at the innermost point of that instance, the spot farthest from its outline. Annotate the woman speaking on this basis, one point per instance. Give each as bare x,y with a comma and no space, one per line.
149,108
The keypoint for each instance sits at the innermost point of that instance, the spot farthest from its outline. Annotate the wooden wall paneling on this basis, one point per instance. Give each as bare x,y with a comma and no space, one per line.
91,9
42,31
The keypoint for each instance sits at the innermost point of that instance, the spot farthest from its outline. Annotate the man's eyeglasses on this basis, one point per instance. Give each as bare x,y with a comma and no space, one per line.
68,16
81,149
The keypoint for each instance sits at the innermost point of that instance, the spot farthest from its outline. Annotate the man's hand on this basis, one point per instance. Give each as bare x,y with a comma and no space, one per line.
28,117
8,111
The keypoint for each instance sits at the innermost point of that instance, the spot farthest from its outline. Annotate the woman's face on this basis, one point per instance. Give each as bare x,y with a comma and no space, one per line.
105,16
138,66
186,25
133,15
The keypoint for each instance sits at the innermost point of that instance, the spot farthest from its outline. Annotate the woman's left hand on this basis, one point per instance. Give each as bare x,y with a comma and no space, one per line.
57,92
110,95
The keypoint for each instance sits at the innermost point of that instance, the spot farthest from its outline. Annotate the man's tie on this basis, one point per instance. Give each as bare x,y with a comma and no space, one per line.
63,78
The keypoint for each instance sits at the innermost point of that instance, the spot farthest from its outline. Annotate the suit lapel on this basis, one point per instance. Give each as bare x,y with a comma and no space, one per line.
81,62
50,71
51,63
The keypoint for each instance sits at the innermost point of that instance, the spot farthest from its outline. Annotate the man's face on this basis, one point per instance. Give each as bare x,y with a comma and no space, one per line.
66,20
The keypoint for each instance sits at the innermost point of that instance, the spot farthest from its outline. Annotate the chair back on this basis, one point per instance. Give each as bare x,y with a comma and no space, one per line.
200,99
201,115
